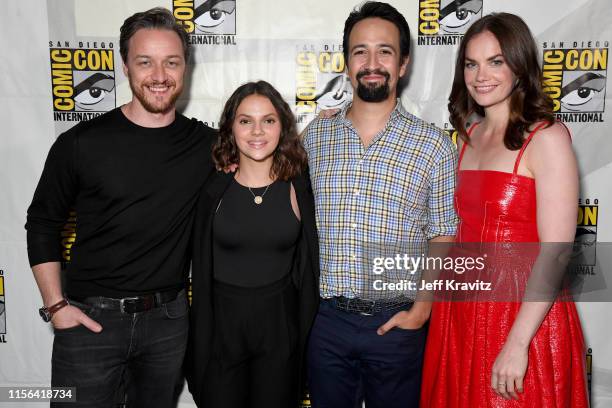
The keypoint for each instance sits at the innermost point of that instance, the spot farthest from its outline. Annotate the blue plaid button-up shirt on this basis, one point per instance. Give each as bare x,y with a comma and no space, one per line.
397,190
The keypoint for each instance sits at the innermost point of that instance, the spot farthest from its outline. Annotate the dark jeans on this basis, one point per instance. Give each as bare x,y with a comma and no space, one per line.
348,362
143,349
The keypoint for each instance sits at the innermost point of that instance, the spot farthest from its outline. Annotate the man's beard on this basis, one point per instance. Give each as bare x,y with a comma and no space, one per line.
374,92
151,103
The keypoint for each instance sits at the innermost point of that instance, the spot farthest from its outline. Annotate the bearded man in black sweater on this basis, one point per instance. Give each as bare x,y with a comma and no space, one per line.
133,176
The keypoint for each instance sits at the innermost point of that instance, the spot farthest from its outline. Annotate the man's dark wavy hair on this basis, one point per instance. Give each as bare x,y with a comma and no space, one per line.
155,18
289,157
371,9
528,102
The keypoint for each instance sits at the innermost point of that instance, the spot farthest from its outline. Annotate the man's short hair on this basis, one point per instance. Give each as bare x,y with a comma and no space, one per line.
385,11
155,18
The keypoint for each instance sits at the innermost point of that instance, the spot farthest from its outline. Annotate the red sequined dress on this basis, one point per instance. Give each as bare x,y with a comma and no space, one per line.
465,337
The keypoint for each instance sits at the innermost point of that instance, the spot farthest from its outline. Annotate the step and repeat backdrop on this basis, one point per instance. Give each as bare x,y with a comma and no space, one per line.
60,65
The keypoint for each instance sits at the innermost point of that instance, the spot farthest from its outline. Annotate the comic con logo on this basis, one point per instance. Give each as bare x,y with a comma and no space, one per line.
443,22
208,21
320,81
82,80
2,309
584,257
575,78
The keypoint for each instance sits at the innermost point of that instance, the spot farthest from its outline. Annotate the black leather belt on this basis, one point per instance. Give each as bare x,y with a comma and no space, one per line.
134,304
369,307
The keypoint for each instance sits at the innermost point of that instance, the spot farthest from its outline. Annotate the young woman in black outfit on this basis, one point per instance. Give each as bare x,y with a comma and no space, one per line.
255,261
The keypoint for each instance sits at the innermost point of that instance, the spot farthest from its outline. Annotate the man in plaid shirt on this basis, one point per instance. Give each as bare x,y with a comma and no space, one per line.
383,180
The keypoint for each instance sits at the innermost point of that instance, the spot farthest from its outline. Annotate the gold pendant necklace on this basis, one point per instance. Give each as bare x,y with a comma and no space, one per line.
258,199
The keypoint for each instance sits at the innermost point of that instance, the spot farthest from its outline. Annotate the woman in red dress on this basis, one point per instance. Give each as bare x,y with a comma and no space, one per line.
517,182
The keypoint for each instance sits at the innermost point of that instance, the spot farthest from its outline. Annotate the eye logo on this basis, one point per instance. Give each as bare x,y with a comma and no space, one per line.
91,94
335,93
206,17
456,16
82,82
575,79
584,94
216,17
443,22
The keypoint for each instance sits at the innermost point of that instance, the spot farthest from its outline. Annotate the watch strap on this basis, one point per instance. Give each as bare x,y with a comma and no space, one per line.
47,312
54,308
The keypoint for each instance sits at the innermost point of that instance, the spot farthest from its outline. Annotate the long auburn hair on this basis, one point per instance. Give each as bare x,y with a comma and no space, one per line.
289,158
528,102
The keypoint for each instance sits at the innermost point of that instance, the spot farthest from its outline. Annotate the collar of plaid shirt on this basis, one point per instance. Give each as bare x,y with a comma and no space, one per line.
398,111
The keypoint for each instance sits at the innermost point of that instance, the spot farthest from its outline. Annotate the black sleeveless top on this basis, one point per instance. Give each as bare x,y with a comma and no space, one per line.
254,244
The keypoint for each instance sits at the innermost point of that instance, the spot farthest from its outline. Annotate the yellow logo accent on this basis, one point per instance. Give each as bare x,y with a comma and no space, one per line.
587,215
452,133
68,236
306,83
429,13
183,13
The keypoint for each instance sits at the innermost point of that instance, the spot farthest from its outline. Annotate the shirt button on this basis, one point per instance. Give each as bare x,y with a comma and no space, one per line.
356,191
354,225
354,257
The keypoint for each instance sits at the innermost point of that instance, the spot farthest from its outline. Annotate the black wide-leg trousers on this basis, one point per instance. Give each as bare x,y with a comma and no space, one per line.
255,355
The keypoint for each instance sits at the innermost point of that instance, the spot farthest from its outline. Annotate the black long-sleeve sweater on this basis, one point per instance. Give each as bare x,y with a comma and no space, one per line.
134,191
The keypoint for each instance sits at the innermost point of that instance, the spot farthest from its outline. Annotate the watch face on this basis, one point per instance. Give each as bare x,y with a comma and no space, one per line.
44,313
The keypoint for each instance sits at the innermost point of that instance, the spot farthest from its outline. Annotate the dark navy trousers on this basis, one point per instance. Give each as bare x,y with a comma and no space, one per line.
348,362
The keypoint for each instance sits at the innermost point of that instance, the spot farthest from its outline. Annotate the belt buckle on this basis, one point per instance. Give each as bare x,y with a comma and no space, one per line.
371,308
131,305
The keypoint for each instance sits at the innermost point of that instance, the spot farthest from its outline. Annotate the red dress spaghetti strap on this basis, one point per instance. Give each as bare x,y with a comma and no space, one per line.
466,337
